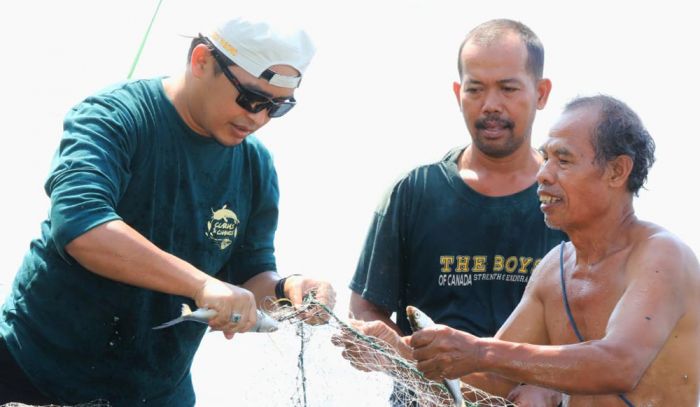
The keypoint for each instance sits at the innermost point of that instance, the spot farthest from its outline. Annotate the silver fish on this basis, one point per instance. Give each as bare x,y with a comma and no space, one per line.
264,322
418,320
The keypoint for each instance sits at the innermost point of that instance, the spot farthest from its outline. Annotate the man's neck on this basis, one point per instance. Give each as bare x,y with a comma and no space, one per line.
605,235
499,176
474,160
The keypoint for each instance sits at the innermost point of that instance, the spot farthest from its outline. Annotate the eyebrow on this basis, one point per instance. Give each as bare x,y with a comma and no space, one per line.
563,151
502,81
559,151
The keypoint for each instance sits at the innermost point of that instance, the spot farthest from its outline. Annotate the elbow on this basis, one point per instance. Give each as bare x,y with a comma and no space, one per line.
625,379
616,386
75,247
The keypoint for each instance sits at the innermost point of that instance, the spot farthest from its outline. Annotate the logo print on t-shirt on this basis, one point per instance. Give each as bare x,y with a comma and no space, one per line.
222,228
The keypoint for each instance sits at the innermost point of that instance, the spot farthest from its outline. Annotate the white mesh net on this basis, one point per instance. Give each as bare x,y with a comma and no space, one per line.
301,367
398,375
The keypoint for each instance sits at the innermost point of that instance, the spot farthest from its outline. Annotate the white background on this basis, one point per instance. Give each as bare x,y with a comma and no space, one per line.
376,101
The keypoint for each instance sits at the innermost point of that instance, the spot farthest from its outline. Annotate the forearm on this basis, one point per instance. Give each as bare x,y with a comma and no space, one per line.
586,368
363,310
490,383
116,251
262,285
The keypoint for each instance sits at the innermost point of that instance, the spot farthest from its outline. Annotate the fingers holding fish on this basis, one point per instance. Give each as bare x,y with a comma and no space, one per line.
242,320
442,352
226,301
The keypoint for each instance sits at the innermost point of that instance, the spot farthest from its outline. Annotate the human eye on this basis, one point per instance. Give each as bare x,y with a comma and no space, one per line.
257,98
563,160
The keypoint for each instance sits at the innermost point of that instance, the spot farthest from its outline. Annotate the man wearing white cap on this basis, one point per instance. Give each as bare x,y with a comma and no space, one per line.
159,196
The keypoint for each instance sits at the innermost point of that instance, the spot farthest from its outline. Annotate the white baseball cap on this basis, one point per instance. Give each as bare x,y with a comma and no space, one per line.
256,46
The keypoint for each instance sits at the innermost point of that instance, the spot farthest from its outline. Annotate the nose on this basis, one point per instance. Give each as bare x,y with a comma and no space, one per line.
545,175
492,102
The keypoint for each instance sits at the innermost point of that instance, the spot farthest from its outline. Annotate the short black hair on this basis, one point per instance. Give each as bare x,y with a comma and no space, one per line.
619,131
489,31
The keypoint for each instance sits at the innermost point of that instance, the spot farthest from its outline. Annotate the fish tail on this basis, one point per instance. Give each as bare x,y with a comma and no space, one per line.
185,310
169,323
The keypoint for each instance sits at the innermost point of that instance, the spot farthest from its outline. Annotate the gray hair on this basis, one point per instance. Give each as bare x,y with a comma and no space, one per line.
619,132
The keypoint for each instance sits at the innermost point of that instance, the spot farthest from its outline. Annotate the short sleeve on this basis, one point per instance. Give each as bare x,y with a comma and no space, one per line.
90,169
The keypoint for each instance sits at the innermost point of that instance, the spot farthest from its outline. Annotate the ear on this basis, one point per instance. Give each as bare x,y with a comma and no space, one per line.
619,171
199,60
544,86
457,89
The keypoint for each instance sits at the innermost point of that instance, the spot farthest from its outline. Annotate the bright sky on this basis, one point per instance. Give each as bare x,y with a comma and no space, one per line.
375,102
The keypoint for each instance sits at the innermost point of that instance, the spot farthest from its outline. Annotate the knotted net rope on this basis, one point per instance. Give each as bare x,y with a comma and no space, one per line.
408,386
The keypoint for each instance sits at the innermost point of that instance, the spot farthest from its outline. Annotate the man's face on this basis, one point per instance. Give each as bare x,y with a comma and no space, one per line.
220,115
572,187
498,96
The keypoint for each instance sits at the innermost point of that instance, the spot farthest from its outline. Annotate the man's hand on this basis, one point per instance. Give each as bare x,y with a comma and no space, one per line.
362,355
533,396
227,299
296,288
445,353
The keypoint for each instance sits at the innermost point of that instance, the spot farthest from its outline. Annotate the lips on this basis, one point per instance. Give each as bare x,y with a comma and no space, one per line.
241,131
493,124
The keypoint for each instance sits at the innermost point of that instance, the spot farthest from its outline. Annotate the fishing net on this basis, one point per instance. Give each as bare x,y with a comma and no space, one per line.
397,377
95,403
298,365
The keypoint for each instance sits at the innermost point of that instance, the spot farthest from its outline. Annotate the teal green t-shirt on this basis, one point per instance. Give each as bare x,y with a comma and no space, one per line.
461,257
127,154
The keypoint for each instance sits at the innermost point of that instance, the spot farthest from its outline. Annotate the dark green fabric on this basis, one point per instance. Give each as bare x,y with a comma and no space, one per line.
126,154
462,258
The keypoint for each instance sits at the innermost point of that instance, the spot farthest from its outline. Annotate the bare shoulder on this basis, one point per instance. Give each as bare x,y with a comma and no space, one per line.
547,270
654,247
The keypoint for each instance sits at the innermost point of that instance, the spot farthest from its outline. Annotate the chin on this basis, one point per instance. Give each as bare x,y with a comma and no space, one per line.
228,141
551,224
230,138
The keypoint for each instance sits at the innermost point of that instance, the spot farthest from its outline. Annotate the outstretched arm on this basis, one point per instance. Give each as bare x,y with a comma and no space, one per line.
650,307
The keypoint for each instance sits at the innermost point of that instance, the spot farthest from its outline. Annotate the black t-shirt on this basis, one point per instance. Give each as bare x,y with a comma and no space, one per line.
461,257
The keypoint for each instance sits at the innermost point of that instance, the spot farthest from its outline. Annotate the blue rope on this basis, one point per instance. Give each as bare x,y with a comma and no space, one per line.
568,310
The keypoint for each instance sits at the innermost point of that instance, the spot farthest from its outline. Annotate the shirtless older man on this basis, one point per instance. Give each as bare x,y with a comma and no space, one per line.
627,329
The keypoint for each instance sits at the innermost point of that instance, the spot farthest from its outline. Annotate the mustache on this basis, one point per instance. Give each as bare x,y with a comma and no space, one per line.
493,119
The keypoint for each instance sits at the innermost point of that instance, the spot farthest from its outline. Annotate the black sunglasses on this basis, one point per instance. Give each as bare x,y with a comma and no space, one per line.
250,99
